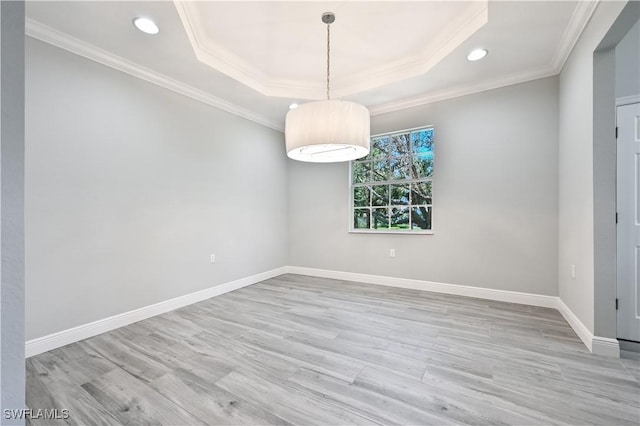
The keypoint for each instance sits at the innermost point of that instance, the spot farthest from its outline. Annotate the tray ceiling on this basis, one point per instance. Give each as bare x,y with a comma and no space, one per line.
255,58
279,49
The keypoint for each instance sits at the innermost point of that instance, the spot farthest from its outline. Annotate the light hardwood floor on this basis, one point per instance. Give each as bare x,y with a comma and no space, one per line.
303,350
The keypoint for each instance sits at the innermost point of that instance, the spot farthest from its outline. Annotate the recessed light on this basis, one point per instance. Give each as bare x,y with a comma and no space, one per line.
477,54
146,25
293,106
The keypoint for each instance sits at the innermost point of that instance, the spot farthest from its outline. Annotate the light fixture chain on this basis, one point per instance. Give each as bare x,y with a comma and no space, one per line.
328,58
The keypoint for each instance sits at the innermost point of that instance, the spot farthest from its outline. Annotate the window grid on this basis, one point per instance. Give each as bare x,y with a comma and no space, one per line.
391,188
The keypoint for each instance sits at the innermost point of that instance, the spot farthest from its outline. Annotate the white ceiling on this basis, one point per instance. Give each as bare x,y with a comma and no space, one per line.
279,49
255,58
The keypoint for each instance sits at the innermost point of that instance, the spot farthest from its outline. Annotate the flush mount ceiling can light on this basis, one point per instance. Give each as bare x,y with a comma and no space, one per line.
327,131
477,54
146,25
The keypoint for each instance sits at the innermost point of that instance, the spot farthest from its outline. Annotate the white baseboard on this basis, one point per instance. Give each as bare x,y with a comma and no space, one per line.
75,334
605,346
459,290
581,330
597,345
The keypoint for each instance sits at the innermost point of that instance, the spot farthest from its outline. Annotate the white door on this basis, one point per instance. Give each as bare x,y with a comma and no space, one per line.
628,199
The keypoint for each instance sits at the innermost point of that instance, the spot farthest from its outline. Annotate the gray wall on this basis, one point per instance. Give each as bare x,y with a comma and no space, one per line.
628,63
130,187
12,372
576,167
495,198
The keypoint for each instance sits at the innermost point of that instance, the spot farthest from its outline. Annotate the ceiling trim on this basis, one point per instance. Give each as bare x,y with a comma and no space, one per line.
579,20
207,51
438,49
461,91
64,41
212,55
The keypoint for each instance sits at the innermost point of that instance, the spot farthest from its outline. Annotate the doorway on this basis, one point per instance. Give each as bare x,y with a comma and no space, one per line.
628,221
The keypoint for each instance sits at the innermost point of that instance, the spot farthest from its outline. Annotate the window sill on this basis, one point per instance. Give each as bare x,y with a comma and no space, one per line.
365,231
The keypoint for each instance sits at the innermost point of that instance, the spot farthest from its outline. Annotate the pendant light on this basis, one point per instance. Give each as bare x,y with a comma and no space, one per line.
327,131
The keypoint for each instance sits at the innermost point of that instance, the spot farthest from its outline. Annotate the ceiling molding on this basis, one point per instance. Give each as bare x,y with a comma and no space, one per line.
212,54
579,20
459,91
417,65
64,41
209,53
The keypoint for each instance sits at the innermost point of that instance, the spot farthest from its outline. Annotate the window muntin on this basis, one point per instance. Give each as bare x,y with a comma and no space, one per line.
391,188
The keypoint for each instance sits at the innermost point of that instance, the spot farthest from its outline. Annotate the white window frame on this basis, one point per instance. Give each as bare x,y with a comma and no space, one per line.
351,186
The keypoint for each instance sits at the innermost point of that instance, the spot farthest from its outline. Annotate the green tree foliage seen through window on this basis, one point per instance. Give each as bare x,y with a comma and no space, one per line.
392,186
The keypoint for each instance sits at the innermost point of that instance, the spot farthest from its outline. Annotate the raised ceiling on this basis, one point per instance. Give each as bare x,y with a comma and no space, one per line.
279,49
255,58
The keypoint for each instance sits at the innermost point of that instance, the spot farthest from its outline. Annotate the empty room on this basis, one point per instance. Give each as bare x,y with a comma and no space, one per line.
320,213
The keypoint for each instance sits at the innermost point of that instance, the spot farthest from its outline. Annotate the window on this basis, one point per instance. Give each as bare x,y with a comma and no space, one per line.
391,187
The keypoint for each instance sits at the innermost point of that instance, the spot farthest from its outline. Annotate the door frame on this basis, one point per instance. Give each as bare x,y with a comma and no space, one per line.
621,101
627,100
604,164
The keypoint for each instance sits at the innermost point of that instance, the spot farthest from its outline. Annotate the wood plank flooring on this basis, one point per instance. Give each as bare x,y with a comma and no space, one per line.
312,351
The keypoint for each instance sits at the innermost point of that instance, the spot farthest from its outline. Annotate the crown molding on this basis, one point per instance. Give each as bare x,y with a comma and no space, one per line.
64,41
211,53
215,56
579,20
459,91
438,49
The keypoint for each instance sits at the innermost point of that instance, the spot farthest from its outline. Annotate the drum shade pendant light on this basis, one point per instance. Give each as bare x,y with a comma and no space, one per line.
327,131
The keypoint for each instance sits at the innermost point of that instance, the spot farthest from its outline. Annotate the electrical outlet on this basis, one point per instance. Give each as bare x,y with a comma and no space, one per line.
573,272
392,252
212,259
